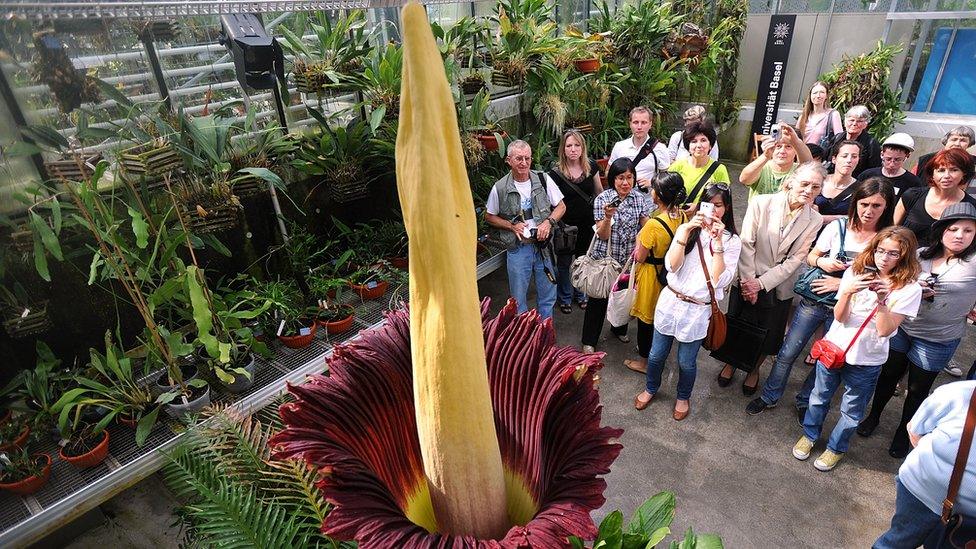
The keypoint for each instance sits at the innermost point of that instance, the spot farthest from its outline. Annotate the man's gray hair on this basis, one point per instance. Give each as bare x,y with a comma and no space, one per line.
812,167
964,131
859,111
517,144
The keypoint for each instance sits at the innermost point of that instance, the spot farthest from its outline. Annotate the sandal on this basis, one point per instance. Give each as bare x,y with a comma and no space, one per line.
582,305
566,308
809,360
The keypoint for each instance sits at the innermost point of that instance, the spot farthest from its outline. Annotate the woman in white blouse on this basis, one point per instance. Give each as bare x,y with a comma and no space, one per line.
683,309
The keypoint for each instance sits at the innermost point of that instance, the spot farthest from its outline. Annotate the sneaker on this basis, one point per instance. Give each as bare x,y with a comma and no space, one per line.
827,460
800,414
757,406
953,369
801,450
588,350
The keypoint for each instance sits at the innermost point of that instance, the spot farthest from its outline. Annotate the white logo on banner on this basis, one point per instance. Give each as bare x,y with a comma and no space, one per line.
781,30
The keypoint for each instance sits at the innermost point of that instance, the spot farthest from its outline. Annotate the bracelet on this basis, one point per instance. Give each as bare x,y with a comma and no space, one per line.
718,250
552,222
680,243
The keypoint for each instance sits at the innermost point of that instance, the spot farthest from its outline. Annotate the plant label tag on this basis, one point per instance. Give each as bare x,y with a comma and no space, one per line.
25,313
304,331
281,327
371,285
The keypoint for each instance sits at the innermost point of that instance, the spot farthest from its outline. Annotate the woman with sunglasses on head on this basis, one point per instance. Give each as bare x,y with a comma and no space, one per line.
620,213
946,175
876,295
835,197
777,232
653,240
924,345
579,180
683,309
871,210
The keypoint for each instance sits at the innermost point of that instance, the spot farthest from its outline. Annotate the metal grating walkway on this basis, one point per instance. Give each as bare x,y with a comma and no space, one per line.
70,492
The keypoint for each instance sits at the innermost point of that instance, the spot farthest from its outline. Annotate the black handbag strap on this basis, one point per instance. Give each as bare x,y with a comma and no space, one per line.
647,149
651,260
588,199
962,457
702,180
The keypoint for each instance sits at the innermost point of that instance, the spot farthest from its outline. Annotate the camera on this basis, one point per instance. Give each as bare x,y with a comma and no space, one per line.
616,202
775,132
533,233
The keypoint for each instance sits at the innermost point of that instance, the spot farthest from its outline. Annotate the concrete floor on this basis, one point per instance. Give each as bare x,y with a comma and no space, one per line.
733,473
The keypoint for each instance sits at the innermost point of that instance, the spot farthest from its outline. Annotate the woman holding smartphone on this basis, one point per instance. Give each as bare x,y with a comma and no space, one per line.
878,292
923,346
683,309
871,209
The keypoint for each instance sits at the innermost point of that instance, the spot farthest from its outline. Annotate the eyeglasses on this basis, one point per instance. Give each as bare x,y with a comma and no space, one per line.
521,158
893,254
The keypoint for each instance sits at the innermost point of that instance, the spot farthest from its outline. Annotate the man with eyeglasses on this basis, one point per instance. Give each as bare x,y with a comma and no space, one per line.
649,155
855,128
524,206
894,154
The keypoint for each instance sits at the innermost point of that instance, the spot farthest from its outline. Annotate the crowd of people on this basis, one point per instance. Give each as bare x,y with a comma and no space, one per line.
839,241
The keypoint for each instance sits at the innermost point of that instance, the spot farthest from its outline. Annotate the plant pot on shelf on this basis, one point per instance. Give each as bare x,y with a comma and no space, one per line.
587,65
603,163
198,399
128,421
488,139
18,442
241,382
400,262
90,458
29,485
72,169
473,86
19,324
371,290
301,340
337,321
213,217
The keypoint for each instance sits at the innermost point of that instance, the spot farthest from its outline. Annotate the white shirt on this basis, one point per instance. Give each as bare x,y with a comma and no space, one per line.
677,150
525,191
686,321
870,349
645,169
829,241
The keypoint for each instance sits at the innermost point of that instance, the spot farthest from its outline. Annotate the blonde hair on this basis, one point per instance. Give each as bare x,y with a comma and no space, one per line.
801,124
564,162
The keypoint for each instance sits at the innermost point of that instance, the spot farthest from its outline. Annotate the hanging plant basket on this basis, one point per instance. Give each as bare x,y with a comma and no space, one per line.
473,85
348,190
300,341
19,325
91,458
71,87
159,31
309,82
248,185
67,167
18,442
488,140
503,79
587,66
29,485
211,218
149,162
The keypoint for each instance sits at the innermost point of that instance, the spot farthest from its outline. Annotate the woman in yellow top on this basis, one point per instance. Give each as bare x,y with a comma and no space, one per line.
668,193
699,137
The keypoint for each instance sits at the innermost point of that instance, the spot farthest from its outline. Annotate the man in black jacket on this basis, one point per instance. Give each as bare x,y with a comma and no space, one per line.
855,125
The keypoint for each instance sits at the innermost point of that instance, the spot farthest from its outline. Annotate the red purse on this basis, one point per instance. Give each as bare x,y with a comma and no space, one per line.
832,356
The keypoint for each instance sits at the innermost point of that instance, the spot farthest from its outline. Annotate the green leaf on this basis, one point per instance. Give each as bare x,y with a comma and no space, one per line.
113,93
40,260
139,228
202,315
56,215
708,541
657,536
223,375
197,382
166,398
376,118
216,245
610,534
576,543
46,136
21,148
96,262
145,425
47,235
656,512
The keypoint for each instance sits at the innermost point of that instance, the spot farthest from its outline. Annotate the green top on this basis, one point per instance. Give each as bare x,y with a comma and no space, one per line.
690,174
769,181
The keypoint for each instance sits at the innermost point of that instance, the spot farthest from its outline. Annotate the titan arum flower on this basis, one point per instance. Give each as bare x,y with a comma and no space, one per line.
444,428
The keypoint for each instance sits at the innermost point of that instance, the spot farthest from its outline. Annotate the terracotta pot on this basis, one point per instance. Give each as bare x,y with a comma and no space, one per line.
337,326
375,292
30,485
587,65
603,164
18,442
129,422
300,341
400,262
488,140
90,459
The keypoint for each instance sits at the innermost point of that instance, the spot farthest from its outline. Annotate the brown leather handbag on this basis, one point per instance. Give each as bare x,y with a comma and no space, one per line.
717,325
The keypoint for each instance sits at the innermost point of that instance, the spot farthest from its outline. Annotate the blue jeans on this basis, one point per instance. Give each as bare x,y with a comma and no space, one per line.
859,383
912,524
687,369
808,317
565,291
522,262
931,356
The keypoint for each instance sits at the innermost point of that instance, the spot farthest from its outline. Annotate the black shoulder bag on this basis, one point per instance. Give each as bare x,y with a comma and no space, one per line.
701,183
562,236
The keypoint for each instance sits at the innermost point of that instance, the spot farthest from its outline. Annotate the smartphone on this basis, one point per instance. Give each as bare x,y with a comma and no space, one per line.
775,132
875,273
873,270
708,210
616,202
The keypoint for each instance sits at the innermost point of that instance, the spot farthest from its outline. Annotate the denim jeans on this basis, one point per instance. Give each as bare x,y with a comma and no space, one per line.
565,291
859,383
912,524
522,262
808,317
687,369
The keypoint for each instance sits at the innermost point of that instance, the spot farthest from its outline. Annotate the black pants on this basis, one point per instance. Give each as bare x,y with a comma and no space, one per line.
593,317
645,333
919,383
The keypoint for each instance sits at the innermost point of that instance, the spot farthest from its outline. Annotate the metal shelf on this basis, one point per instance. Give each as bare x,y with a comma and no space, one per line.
168,9
72,492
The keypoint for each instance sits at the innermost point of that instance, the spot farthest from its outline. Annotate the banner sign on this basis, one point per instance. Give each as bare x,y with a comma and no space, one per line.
773,71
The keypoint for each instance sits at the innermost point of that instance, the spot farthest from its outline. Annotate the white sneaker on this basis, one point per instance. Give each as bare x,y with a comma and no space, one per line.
953,369
588,350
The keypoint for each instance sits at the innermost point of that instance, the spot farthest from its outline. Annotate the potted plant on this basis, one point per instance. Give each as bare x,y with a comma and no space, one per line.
344,157
23,473
333,315
182,392
84,445
42,386
371,282
285,317
334,61
473,119
297,328
208,207
13,434
150,161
